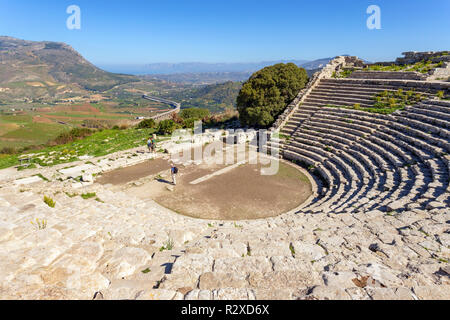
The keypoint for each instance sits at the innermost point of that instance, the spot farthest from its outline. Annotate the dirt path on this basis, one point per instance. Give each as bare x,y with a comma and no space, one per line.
133,173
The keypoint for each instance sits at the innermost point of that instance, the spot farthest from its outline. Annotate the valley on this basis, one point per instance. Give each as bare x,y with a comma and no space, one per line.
48,88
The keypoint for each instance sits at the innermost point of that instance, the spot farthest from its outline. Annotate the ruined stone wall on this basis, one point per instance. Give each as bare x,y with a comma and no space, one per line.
423,86
438,74
412,57
408,75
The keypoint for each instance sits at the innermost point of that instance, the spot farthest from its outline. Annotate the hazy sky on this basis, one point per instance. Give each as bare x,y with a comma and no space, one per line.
136,32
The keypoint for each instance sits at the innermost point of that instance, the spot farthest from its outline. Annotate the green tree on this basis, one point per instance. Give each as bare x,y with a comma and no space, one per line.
147,123
268,92
189,123
166,127
194,113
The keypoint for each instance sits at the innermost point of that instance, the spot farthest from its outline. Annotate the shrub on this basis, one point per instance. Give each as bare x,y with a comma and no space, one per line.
147,124
8,150
95,124
267,93
72,135
189,123
194,113
32,147
346,73
392,102
166,127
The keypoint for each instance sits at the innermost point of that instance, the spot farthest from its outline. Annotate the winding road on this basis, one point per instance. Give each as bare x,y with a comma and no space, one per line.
165,115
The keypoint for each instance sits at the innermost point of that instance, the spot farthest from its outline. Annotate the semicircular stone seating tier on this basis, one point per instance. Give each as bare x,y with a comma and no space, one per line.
364,161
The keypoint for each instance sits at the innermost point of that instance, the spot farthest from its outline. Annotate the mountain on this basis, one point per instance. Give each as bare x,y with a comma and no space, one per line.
200,78
46,63
316,64
195,67
208,73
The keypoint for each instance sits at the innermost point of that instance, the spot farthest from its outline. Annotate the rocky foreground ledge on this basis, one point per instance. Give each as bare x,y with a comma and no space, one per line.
115,246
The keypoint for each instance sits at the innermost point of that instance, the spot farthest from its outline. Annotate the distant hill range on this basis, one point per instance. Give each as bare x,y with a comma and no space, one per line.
199,67
194,67
208,73
34,71
204,78
52,63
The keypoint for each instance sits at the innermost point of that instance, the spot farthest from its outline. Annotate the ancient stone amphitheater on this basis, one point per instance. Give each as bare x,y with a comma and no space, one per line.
377,226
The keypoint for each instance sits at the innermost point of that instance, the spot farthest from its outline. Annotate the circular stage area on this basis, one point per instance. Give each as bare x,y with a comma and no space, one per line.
215,192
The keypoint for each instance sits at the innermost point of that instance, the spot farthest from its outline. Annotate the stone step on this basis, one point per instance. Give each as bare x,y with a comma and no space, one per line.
339,101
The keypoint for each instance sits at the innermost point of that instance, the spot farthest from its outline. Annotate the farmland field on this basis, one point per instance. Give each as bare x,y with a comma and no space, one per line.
99,144
40,124
19,131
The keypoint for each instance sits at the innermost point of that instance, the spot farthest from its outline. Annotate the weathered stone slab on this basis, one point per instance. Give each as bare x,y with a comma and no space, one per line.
27,181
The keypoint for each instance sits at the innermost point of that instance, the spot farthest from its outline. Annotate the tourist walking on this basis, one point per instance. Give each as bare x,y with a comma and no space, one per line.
154,143
150,144
174,173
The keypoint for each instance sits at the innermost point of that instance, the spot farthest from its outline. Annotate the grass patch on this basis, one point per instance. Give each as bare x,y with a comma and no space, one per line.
284,137
345,73
388,102
146,271
98,144
49,201
397,99
440,95
71,195
87,196
424,66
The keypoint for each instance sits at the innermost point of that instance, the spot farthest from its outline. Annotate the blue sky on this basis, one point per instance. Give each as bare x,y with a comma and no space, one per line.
148,31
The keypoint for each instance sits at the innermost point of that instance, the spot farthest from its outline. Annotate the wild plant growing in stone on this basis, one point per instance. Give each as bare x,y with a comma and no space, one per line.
87,196
168,245
49,201
40,224
291,247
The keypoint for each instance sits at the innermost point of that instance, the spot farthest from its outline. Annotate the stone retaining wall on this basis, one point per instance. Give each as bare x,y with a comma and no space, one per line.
412,57
440,74
426,86
408,75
